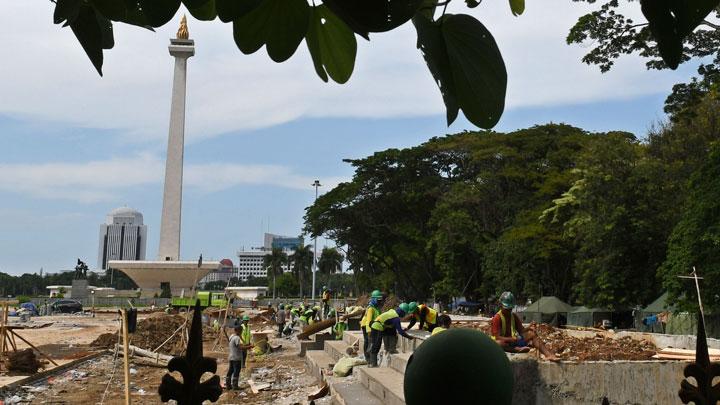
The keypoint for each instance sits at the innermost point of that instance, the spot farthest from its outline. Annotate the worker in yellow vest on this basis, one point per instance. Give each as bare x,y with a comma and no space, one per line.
423,314
238,347
372,312
384,330
443,324
508,331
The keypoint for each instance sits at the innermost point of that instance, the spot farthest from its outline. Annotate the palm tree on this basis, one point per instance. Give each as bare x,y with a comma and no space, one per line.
330,262
302,264
273,262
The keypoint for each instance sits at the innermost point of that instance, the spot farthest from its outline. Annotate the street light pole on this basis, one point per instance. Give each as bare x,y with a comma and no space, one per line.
316,184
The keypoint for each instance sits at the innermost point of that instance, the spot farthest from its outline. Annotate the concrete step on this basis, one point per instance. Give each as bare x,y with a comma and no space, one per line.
350,337
399,361
352,393
384,382
316,361
336,348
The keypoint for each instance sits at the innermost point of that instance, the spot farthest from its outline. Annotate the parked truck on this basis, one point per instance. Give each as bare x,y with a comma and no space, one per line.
207,299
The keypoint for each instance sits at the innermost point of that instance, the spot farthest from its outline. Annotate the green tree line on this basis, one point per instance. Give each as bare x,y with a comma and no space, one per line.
598,219
35,284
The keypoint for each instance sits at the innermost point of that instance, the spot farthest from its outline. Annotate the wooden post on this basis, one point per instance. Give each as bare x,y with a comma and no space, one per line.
127,361
2,328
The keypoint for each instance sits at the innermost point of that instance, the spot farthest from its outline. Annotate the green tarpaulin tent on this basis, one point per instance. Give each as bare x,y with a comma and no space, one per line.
550,310
585,316
656,307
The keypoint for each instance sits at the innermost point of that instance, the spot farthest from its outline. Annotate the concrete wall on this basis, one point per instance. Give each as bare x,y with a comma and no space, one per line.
621,382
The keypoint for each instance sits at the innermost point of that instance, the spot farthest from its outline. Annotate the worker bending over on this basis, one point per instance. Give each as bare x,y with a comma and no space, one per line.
385,329
508,331
424,314
371,313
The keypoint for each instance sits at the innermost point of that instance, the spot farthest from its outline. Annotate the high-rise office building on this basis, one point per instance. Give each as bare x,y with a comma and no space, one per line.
283,242
122,237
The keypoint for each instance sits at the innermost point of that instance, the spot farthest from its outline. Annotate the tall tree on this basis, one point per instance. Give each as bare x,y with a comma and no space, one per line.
302,265
274,262
695,241
330,261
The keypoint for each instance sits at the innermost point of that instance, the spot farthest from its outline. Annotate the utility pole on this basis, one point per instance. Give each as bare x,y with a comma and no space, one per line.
316,184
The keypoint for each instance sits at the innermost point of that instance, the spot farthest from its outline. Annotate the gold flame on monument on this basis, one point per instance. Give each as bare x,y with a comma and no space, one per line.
183,30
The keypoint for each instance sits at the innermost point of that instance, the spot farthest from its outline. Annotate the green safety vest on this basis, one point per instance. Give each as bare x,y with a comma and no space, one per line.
379,323
437,330
245,334
431,316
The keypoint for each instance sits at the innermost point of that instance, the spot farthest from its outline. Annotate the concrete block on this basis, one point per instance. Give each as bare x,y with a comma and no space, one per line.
352,393
307,345
385,383
316,361
335,348
399,361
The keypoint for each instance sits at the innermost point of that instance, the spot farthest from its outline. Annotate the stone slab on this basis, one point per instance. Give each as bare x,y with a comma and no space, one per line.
352,393
385,383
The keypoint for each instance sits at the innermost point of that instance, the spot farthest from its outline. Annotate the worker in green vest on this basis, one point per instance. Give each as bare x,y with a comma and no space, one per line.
424,314
238,347
371,312
385,329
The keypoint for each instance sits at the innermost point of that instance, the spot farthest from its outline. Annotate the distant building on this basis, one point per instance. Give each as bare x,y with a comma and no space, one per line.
251,263
122,237
224,273
282,242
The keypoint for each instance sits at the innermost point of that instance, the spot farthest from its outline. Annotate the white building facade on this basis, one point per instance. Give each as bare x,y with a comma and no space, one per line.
251,263
122,237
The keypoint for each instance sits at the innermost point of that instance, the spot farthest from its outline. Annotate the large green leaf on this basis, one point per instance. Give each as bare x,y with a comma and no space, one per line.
365,16
431,44
517,7
332,45
66,10
690,13
135,16
203,12
89,33
110,9
194,3
279,24
664,28
230,10
478,69
106,29
159,12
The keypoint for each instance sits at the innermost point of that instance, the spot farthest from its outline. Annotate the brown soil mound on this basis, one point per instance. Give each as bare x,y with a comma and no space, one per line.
106,340
23,361
152,331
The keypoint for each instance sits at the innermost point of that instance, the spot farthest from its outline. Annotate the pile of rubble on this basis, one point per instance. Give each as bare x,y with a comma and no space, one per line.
596,347
591,348
150,333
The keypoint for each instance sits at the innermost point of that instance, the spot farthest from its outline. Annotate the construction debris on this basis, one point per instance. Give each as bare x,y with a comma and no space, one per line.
23,361
321,392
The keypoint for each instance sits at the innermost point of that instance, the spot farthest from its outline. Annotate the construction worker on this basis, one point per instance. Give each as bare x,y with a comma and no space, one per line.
385,329
280,318
238,347
371,313
326,295
443,324
425,315
316,314
508,331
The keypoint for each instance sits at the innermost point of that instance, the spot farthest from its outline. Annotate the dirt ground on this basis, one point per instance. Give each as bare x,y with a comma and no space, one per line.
101,380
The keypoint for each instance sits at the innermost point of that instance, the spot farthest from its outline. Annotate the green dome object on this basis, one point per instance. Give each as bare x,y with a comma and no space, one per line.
376,294
458,366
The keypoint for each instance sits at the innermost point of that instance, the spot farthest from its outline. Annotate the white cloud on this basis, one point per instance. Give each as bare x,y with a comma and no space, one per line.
51,78
103,180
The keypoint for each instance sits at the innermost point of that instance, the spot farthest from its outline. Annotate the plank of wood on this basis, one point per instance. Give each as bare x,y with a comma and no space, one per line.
682,357
672,350
257,387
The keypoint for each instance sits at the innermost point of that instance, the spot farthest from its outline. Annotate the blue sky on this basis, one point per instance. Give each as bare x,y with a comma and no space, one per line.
76,145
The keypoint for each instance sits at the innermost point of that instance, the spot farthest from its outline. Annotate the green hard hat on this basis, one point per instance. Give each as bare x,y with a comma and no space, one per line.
458,357
376,294
405,307
412,306
245,318
507,300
